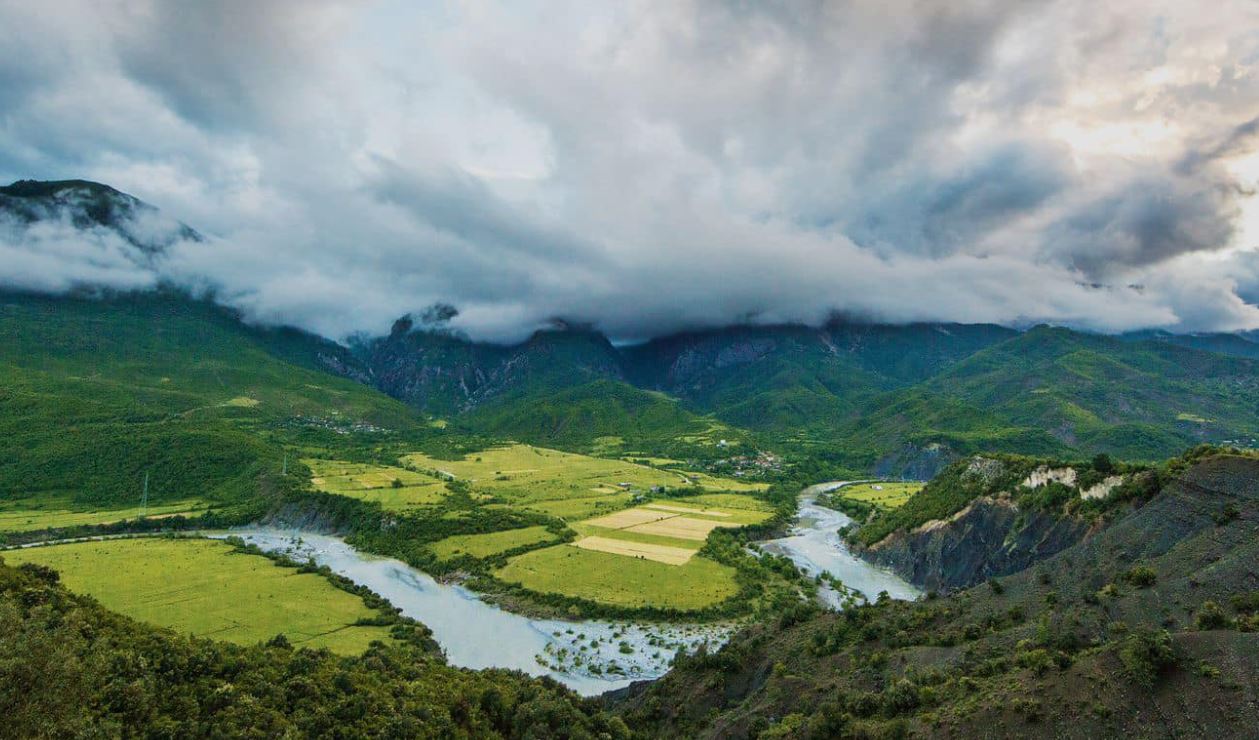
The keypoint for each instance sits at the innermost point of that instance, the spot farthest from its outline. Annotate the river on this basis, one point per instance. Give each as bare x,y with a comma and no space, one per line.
815,546
590,657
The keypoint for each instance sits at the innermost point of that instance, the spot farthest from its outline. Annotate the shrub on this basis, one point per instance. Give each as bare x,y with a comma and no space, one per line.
1211,617
996,586
1145,654
1141,576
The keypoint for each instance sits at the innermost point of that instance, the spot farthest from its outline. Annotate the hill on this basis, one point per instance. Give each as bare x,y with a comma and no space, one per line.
97,394
1147,628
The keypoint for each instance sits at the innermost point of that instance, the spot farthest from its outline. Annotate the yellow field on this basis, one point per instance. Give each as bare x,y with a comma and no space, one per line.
376,483
658,553
204,588
628,518
687,510
681,527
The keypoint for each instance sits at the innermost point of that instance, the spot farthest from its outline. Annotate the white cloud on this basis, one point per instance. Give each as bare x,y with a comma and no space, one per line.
648,167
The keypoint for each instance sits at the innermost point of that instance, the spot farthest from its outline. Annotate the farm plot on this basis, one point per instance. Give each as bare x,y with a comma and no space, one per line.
621,580
659,553
681,527
654,547
488,545
205,588
882,495
394,488
29,516
536,478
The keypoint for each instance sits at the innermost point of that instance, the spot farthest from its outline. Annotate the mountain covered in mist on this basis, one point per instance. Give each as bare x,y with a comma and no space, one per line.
897,399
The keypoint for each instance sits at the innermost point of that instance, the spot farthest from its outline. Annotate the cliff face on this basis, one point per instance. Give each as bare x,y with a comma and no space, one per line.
991,537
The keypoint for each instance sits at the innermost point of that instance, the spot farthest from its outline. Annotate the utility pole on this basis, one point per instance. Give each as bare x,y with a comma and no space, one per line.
144,502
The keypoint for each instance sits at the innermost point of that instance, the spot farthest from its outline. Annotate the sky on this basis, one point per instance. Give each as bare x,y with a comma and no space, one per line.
649,167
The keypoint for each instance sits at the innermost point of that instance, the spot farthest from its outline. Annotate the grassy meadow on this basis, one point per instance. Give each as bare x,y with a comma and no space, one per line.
493,543
881,494
29,515
206,588
619,580
562,484
394,488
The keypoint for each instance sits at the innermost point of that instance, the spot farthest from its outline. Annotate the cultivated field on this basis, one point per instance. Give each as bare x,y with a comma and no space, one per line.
654,546
376,483
28,516
204,588
882,495
659,553
487,545
621,580
564,484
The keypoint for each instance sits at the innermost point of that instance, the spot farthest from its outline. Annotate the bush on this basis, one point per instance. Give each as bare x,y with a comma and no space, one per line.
1211,617
1145,654
1141,576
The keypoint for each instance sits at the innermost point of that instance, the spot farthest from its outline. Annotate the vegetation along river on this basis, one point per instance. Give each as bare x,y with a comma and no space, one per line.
815,546
590,657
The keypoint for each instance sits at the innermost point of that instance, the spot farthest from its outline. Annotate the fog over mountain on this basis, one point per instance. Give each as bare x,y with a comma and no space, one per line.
650,167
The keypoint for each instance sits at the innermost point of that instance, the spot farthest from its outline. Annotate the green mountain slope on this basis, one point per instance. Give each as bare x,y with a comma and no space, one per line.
1094,393
605,416
95,393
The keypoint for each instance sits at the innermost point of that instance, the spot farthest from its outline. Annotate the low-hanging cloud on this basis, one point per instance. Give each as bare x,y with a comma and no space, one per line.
651,167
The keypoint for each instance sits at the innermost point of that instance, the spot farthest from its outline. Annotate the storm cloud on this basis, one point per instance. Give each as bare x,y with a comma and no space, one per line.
650,167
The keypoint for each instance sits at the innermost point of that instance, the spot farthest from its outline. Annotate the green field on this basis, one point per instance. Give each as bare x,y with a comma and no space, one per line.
662,569
619,580
536,477
574,509
56,513
882,495
204,588
376,483
487,545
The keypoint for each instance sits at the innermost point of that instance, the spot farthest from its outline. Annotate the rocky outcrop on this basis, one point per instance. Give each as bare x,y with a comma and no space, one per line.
990,537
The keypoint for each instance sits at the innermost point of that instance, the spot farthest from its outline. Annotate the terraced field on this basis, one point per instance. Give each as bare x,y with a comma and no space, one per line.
204,588
395,488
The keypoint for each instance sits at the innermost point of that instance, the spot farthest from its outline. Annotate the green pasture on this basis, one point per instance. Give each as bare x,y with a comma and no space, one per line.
619,580
487,545
204,588
376,483
25,515
882,495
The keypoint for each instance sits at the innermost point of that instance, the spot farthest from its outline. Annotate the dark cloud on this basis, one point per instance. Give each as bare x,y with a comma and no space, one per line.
644,168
